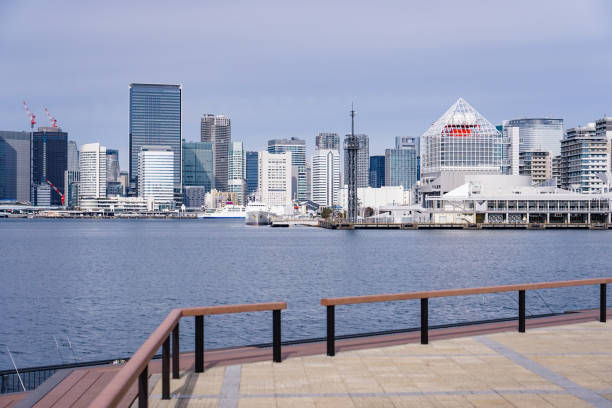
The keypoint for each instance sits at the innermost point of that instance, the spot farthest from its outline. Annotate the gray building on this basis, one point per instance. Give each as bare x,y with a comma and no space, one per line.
217,129
401,167
539,134
363,161
603,129
72,175
583,159
297,147
252,171
112,165
155,120
194,196
15,174
198,165
326,140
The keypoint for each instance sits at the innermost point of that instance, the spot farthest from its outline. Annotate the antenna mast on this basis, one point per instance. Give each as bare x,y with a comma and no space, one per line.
351,145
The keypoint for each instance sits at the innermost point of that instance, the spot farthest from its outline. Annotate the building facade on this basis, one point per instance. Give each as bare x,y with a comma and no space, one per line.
217,129
401,167
377,171
236,182
556,169
603,129
15,177
49,162
583,159
536,164
155,120
92,171
156,176
326,177
539,134
275,178
327,141
198,164
297,147
252,173
363,161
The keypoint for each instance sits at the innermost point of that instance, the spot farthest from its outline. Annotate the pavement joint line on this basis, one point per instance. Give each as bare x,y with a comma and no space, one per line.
231,387
577,390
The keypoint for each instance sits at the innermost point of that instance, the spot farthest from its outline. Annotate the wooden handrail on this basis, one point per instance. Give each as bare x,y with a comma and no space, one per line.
118,387
352,300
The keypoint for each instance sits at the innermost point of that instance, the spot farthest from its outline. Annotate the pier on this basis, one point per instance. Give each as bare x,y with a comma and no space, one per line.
345,225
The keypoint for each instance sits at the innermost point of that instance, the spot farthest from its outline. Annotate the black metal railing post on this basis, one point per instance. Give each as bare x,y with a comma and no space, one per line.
602,303
276,336
331,336
199,344
521,323
166,369
424,320
175,353
143,388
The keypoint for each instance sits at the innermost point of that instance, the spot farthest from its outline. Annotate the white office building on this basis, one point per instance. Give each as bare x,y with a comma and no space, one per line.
236,181
92,171
274,182
325,176
156,176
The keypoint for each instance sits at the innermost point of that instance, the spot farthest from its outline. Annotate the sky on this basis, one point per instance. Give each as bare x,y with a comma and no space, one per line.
288,69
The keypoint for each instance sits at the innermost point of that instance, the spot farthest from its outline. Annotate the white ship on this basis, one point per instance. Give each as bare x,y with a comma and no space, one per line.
229,211
258,213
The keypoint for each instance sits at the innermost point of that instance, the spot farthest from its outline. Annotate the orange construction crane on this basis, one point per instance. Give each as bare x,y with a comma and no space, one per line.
56,190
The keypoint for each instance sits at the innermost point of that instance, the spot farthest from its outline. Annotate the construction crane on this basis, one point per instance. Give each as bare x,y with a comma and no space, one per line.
52,120
31,115
56,190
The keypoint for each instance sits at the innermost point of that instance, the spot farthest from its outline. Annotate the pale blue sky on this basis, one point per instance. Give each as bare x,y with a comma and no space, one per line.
282,69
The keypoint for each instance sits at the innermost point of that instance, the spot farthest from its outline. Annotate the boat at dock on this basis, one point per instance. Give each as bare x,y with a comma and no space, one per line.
229,211
258,213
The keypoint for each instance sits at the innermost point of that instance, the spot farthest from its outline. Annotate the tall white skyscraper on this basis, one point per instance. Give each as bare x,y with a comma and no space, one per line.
156,175
236,179
326,177
92,171
274,182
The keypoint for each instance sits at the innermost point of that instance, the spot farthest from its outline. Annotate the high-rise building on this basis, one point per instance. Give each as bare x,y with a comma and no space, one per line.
217,129
49,162
556,169
198,165
377,171
72,176
15,175
536,164
112,165
297,147
363,161
156,176
603,129
92,171
328,141
236,182
194,196
155,120
583,159
539,134
326,177
401,167
275,178
252,172
410,142
512,135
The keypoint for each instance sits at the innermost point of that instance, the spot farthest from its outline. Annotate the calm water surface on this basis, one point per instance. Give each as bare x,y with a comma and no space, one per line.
102,286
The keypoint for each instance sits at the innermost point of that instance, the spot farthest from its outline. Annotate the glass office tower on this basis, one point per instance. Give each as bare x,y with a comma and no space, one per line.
198,165
49,162
540,134
15,166
297,147
401,167
155,120
252,172
377,171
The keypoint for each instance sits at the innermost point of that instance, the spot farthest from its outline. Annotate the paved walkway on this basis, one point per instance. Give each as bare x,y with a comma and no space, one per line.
562,366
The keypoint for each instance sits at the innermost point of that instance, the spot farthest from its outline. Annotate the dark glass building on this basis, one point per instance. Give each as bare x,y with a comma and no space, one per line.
252,171
49,160
198,165
377,171
155,120
15,166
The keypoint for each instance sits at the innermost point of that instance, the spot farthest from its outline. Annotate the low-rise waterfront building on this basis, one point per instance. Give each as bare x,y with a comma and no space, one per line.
114,204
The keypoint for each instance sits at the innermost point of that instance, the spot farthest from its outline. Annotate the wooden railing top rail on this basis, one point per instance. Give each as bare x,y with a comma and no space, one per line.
118,387
458,292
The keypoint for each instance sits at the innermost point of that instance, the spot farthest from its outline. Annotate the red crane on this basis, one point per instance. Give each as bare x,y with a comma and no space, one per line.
30,114
56,190
52,120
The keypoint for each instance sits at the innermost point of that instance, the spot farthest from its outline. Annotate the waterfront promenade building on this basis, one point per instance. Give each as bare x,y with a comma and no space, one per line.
584,159
297,147
539,134
535,164
327,140
459,143
274,179
156,176
15,177
326,177
236,182
198,165
92,171
155,120
217,129
363,161
252,173
49,162
376,177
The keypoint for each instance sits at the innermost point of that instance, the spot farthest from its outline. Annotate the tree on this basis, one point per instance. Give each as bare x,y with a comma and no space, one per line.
326,212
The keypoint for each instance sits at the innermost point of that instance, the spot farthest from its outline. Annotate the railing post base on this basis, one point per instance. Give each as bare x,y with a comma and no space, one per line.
425,321
276,336
602,303
166,369
175,353
199,344
331,335
521,323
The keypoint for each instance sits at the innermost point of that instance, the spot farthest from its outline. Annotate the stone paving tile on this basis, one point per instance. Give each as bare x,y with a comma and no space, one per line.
564,401
257,403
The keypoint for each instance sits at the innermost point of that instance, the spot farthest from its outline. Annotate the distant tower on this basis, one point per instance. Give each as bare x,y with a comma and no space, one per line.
351,145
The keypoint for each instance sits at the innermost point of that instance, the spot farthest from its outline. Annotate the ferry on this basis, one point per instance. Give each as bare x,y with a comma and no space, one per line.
229,211
258,213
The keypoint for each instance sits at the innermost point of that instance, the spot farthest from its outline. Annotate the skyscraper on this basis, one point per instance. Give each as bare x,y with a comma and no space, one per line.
236,182
583,159
297,147
328,141
252,173
401,167
112,165
603,128
326,177
363,161
49,162
92,171
156,175
275,178
72,176
217,129
377,171
541,134
15,166
198,165
155,120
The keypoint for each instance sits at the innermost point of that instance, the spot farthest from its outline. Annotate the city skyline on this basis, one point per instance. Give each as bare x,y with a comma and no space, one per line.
404,78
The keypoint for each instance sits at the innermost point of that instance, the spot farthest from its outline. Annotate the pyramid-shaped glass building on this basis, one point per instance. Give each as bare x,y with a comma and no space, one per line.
462,140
